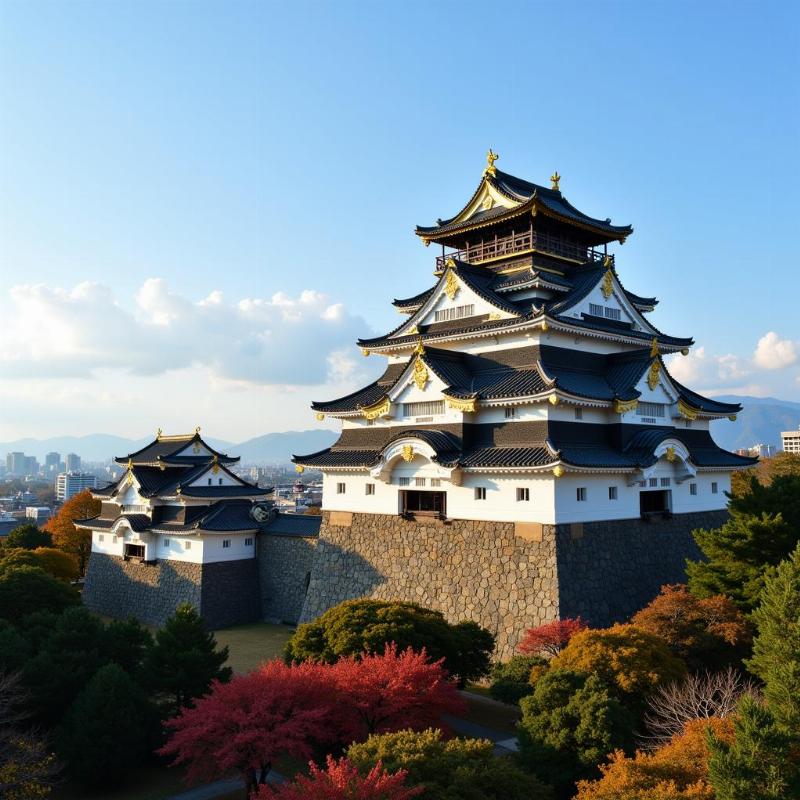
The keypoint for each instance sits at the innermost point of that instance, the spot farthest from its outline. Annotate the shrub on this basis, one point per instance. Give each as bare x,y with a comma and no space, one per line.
676,771
569,724
631,660
54,562
358,626
340,780
511,679
551,638
27,589
28,537
453,769
707,633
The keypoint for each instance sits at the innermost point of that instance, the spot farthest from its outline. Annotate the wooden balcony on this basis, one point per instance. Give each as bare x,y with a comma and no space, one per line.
529,241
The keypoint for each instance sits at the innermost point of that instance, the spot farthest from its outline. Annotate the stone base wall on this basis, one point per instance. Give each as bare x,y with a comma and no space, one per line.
284,567
224,593
498,574
506,576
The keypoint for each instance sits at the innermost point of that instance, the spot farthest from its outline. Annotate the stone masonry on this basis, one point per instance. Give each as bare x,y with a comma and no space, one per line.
284,565
506,576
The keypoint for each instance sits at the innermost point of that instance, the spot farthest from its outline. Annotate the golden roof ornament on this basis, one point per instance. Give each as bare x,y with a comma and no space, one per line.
654,348
491,169
420,348
407,452
158,433
607,287
451,286
554,179
653,374
197,431
671,455
215,464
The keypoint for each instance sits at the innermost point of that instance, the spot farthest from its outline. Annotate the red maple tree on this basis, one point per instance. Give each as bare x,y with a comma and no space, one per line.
393,691
245,724
550,638
342,781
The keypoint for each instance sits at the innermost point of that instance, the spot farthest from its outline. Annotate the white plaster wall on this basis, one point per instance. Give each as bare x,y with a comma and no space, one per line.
213,551
220,478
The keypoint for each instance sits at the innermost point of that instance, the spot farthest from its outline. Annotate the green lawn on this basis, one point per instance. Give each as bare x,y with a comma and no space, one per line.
252,644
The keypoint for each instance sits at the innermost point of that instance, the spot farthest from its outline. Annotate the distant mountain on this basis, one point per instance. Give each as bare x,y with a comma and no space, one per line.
761,421
272,448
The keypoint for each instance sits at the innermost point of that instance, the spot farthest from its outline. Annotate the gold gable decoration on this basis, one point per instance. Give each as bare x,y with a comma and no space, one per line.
607,286
215,464
624,406
558,471
421,375
467,406
451,286
407,452
491,169
654,374
299,468
376,409
654,348
671,456
687,411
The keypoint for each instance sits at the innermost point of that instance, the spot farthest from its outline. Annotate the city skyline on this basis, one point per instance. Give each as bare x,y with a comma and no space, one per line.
185,239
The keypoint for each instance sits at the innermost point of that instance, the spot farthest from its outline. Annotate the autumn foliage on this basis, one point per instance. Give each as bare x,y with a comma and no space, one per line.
340,780
676,771
708,633
551,638
66,536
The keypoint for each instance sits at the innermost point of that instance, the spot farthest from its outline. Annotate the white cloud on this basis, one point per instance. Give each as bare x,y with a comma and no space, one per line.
281,340
772,352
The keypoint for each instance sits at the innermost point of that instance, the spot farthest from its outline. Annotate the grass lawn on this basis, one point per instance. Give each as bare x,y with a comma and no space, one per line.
252,644
498,716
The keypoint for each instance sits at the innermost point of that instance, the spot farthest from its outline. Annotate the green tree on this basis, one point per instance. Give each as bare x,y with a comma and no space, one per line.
357,626
760,763
127,643
184,660
27,589
104,733
55,562
511,679
764,529
569,725
29,537
452,769
14,648
776,648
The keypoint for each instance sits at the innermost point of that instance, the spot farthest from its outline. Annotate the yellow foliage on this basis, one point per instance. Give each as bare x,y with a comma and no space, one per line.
677,771
66,536
58,563
635,661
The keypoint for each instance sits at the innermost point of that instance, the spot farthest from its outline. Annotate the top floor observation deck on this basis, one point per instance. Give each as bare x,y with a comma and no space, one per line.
522,243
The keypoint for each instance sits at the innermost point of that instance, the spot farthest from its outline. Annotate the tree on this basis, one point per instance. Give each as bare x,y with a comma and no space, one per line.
367,626
763,530
55,562
127,643
551,638
449,769
246,724
104,733
631,660
29,537
27,589
764,472
761,761
511,679
184,660
707,633
66,536
706,695
776,649
392,691
676,771
14,648
340,780
569,724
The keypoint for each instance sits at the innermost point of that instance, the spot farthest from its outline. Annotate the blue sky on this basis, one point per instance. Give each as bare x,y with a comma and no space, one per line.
175,175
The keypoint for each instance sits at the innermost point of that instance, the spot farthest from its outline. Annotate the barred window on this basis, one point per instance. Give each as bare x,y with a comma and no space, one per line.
581,494
523,494
187,545
653,482
714,488
424,408
166,542
511,413
650,409
595,310
578,413
369,488
612,492
436,481
226,543
419,481
693,488
456,312
480,492
248,542
665,481
340,488
404,481
613,313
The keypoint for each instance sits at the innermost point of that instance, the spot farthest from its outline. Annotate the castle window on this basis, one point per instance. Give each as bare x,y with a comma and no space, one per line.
404,481
340,488
425,408
523,494
665,481
115,539
653,481
613,313
578,413
369,488
220,481
456,312
480,492
714,488
688,423
595,310
511,413
248,542
581,494
209,481
436,481
226,543
187,545
166,542
100,537
612,492
650,409
419,481
693,488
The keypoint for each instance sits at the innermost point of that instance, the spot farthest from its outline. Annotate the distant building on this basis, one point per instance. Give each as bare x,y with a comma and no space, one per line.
72,462
15,463
39,514
31,465
68,484
791,441
759,451
51,463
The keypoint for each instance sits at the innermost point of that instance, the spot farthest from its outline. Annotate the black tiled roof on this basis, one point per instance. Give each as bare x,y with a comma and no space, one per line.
352,402
168,446
306,525
638,300
224,491
138,522
507,457
705,403
416,300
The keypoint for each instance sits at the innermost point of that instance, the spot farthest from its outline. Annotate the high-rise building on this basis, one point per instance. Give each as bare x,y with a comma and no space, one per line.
790,440
51,463
15,463
72,462
68,484
31,465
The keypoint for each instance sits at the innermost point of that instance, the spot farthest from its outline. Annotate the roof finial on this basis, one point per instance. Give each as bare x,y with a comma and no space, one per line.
491,169
197,431
654,348
158,433
554,179
420,348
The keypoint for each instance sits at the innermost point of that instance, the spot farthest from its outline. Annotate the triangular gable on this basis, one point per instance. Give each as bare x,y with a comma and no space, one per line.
216,472
486,198
195,448
128,492
418,382
655,385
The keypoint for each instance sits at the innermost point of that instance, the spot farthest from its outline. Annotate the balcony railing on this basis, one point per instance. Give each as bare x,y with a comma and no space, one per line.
530,240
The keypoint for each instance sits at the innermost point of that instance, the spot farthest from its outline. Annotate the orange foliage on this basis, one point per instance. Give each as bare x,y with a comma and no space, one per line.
708,633
677,771
633,660
66,536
